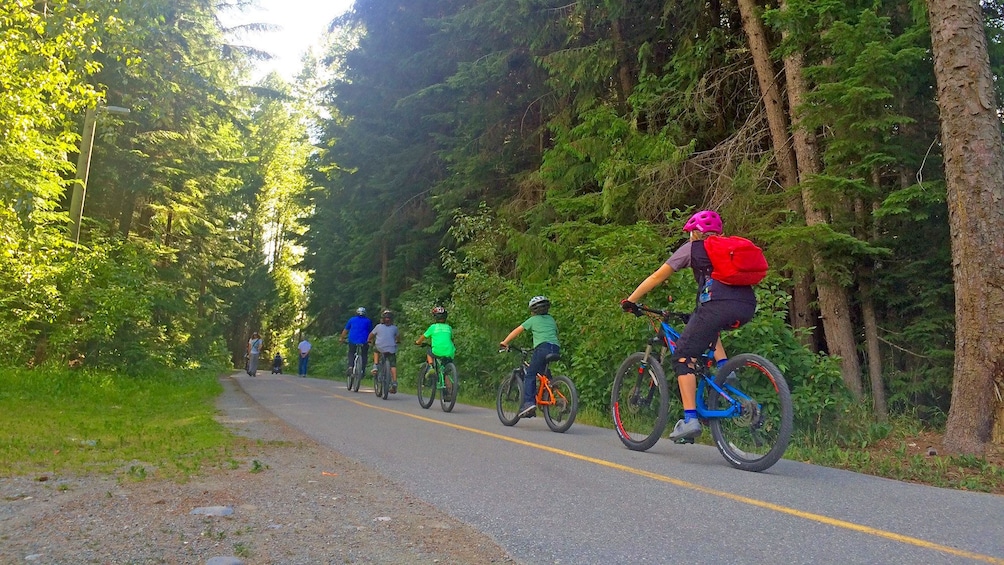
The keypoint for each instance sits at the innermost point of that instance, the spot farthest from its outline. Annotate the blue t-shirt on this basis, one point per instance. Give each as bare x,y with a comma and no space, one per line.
359,329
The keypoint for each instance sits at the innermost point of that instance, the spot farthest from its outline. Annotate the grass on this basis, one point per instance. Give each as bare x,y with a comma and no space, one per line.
91,421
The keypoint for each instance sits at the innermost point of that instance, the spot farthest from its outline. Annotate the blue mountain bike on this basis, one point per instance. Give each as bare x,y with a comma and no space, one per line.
746,403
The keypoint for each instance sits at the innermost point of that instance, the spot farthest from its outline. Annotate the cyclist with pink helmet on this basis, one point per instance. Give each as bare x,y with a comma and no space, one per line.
719,307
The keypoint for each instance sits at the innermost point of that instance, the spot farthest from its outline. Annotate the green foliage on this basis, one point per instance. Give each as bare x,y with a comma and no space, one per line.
603,264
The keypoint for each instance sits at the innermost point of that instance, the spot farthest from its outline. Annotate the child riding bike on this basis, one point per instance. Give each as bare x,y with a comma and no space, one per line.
719,307
545,341
440,335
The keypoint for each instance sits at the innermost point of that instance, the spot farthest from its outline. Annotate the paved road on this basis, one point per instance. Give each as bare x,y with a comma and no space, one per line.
582,498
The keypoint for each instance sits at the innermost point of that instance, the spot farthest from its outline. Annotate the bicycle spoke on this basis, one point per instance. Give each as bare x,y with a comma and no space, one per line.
640,402
426,384
510,398
560,415
755,437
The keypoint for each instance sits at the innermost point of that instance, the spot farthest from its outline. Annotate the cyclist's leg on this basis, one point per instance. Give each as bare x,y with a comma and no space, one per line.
365,351
392,361
700,333
352,355
536,366
376,360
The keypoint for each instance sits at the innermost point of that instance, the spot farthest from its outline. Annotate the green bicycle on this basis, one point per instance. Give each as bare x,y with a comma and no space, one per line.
442,376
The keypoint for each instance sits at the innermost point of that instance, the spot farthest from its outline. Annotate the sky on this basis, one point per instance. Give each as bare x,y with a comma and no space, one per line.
303,22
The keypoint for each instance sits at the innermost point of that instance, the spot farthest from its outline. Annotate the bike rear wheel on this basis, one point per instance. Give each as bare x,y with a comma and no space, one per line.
640,401
381,384
560,415
510,398
426,382
448,397
757,437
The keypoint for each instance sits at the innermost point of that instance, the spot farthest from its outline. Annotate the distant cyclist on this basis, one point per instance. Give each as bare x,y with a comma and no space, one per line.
719,307
440,335
385,339
357,332
545,341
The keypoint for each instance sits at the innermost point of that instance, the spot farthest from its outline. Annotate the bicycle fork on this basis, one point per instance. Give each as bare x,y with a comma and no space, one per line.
653,384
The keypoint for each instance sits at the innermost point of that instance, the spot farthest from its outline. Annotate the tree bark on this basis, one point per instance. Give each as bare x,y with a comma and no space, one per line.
974,172
777,117
624,71
796,161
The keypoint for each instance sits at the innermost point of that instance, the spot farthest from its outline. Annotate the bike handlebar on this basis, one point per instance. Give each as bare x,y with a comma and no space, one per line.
641,309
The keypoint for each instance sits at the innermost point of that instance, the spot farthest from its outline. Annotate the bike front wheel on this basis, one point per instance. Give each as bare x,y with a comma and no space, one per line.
510,398
357,373
560,415
448,396
426,382
757,436
640,401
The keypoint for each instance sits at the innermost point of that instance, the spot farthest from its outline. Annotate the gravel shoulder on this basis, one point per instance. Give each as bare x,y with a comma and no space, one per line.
292,501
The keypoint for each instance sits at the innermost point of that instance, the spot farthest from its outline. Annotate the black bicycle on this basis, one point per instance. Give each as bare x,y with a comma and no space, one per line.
441,376
382,378
556,396
746,403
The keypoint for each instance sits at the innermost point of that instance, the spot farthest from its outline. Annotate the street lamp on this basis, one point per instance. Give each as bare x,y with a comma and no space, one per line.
84,164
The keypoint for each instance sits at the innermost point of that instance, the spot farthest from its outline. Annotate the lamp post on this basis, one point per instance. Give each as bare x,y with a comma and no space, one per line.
84,165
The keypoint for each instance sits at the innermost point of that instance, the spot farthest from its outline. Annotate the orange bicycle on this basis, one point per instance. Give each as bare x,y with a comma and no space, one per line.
556,396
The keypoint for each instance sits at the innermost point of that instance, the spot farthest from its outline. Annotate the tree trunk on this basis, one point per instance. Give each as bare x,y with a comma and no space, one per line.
777,116
974,172
126,210
777,119
383,274
874,354
833,302
624,72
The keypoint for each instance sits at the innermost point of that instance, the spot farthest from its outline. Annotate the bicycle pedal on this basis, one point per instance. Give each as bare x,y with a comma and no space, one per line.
684,440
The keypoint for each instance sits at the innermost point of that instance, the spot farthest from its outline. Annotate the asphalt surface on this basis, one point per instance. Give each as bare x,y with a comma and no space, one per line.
582,498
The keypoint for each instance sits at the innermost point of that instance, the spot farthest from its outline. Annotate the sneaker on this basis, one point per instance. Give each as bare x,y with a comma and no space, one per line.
393,387
447,394
374,371
686,430
528,411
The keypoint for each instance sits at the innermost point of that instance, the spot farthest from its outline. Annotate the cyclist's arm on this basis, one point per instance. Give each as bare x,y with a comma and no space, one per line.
655,279
512,335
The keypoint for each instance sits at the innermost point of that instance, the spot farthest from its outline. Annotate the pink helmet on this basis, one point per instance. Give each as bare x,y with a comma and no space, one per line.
704,221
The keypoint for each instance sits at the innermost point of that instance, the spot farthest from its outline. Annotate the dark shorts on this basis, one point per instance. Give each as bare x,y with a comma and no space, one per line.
707,322
391,358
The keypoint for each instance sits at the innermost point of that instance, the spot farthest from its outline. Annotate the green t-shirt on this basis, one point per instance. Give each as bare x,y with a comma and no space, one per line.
441,336
544,329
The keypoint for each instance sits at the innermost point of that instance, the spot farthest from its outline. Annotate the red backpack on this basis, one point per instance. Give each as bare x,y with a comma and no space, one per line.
735,260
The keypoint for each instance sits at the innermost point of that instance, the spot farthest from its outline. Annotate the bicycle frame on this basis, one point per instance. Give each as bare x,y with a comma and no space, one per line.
438,365
545,384
667,336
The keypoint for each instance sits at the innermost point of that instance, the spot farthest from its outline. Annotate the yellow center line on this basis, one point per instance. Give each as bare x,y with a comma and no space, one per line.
692,486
